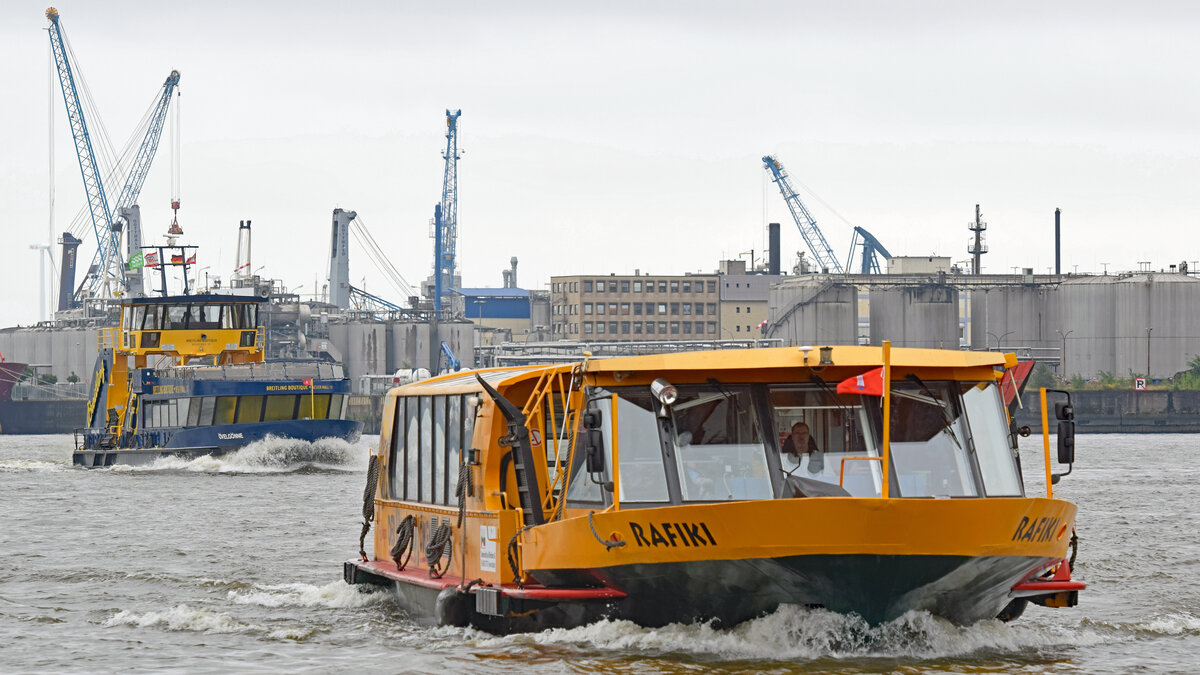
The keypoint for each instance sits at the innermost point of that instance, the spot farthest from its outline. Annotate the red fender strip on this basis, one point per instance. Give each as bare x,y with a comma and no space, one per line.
1061,581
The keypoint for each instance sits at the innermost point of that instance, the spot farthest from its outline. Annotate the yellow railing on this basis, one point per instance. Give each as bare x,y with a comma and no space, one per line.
842,472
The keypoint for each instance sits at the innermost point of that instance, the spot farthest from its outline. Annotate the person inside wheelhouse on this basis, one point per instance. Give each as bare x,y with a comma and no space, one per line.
726,442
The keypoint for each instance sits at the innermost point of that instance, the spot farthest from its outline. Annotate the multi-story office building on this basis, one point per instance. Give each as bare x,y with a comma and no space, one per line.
638,307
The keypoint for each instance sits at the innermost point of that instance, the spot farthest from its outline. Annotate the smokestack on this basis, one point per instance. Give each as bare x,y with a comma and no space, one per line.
512,279
243,251
1057,241
773,248
66,279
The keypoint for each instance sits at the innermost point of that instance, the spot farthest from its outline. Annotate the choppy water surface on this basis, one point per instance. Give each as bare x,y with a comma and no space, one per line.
235,564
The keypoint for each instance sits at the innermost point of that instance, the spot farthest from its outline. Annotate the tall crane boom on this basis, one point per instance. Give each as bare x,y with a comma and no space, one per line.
804,221
446,216
145,155
108,254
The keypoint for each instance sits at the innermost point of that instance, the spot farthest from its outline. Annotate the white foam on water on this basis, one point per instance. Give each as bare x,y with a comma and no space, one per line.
795,633
269,455
20,465
333,595
1177,623
182,618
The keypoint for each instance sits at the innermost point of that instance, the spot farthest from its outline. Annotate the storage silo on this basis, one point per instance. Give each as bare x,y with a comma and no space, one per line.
924,315
1083,315
1163,303
813,311
1011,317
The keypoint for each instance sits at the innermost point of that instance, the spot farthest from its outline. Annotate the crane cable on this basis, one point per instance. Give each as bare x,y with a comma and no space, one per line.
378,258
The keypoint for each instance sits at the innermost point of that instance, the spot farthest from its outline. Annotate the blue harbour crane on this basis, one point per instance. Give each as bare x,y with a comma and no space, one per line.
870,247
445,217
106,275
108,241
822,253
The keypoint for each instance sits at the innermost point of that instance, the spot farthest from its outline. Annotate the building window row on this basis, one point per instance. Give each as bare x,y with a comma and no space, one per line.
649,327
640,286
651,308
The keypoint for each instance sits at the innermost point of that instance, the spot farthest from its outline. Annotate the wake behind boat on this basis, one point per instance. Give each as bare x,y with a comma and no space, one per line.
185,376
715,486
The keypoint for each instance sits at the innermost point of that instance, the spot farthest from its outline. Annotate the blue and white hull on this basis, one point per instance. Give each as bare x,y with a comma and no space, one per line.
191,442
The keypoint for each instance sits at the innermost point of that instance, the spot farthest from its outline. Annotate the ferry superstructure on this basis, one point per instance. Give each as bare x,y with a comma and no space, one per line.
185,376
664,489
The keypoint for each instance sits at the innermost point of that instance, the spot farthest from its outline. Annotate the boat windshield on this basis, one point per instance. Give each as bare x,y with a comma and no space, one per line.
718,442
948,439
823,437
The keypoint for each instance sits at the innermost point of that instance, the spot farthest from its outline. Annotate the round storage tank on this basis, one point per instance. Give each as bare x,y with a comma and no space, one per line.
1084,310
915,316
813,311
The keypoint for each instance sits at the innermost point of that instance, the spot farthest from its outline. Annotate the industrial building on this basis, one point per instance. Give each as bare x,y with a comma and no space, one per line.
730,304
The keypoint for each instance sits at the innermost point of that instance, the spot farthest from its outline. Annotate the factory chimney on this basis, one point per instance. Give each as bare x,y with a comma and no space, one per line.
773,249
512,275
66,278
1058,242
242,271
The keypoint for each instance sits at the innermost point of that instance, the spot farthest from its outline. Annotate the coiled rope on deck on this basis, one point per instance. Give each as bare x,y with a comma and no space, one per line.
512,558
402,551
465,487
368,509
439,545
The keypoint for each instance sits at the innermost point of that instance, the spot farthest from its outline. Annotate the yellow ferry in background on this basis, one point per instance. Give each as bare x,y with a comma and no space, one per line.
715,486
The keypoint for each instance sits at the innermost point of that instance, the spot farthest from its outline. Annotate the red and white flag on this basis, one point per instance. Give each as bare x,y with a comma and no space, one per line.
307,381
869,383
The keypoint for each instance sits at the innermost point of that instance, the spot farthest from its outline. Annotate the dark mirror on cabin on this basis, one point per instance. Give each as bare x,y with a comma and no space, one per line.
593,445
1066,442
1063,410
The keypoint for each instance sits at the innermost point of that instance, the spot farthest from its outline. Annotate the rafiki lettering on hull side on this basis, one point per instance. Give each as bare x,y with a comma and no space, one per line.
716,486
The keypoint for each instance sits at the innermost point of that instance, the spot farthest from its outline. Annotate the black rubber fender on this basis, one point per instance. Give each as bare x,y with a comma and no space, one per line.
454,608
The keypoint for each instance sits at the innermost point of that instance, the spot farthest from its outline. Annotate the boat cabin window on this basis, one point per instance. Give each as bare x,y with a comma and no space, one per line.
822,437
226,405
989,432
428,434
229,316
718,444
642,477
929,444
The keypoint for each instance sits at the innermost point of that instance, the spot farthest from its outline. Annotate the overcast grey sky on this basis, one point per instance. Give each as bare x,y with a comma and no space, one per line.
625,135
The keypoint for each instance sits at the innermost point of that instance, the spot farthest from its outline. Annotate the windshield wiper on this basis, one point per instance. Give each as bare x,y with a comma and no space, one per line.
947,421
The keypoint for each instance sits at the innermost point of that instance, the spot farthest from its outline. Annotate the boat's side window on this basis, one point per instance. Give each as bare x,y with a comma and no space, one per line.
412,436
175,318
437,458
454,443
989,432
279,407
582,486
425,454
223,414
151,317
397,451
193,416
249,409
207,405
642,477
172,414
335,407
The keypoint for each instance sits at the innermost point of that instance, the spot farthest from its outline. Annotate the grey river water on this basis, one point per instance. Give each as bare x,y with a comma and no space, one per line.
234,565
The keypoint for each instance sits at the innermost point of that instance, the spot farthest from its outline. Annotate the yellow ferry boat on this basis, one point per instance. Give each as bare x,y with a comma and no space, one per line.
715,486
